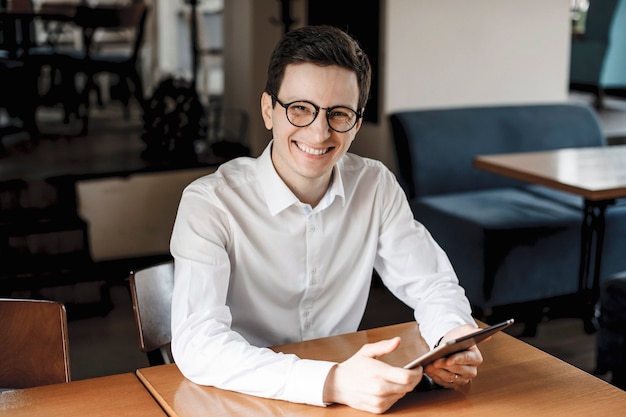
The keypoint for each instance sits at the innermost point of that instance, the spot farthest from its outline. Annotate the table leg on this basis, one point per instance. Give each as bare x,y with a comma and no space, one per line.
592,240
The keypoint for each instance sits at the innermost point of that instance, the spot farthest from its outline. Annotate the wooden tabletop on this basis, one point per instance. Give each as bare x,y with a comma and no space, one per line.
597,173
117,395
516,379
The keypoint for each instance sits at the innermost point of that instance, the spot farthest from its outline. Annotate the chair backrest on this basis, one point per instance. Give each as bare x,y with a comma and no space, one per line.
151,292
114,25
34,343
600,16
435,148
20,6
135,16
598,58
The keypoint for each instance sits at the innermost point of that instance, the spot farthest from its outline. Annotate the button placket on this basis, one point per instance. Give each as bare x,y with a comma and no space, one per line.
311,281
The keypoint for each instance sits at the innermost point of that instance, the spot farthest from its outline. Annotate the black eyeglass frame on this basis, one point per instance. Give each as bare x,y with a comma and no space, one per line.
317,108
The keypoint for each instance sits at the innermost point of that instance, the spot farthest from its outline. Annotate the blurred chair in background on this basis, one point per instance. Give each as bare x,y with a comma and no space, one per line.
113,45
17,80
57,47
598,56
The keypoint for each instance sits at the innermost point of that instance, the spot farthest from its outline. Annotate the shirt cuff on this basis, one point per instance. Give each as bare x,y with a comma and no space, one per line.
306,384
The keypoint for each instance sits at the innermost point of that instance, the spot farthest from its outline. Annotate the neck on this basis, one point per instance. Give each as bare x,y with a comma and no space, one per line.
311,191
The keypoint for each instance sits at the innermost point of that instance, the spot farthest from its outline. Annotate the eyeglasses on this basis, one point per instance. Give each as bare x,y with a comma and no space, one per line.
302,113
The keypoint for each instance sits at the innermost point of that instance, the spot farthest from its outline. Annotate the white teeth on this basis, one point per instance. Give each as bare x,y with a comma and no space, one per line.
311,151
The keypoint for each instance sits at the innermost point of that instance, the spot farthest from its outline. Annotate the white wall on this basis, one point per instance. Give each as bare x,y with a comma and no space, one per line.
449,53
453,53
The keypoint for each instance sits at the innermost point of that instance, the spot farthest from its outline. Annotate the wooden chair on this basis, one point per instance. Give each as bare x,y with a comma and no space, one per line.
34,343
151,293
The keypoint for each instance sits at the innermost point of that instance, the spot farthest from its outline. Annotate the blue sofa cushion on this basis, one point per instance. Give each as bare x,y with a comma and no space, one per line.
503,208
502,243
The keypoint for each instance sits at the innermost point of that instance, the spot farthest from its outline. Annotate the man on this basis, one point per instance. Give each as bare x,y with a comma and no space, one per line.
281,248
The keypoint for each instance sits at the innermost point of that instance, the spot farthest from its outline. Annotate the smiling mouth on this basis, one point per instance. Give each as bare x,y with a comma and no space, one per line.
312,151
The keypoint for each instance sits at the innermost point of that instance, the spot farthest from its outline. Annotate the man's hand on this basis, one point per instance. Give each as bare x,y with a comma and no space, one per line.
460,368
365,383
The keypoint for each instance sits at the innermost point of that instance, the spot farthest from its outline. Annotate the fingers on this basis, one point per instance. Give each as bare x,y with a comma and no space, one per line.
448,379
458,369
459,332
385,372
378,349
471,357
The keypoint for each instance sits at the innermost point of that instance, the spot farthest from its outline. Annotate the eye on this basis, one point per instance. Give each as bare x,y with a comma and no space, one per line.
301,108
341,113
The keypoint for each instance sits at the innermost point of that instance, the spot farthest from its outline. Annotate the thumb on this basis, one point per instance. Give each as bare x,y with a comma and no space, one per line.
377,349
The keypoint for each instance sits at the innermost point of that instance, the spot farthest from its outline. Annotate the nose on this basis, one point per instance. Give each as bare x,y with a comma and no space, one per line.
320,126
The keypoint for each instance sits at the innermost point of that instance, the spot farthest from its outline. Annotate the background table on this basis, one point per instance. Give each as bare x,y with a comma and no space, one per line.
596,174
117,395
515,379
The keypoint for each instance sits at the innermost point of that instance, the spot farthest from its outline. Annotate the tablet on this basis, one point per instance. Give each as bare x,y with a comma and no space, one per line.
457,345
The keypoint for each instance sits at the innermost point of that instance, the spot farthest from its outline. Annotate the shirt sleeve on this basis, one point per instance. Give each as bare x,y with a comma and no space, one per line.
205,348
416,269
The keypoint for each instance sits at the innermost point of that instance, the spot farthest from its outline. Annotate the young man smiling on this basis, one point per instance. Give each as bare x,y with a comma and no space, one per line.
281,248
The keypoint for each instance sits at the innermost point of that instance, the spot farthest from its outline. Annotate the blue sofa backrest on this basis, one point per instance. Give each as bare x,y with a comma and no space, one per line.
435,148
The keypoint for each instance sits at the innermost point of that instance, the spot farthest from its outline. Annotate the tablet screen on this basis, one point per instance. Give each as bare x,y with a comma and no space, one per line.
457,345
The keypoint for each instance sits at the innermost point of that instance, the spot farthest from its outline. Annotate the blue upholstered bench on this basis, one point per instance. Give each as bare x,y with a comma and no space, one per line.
512,244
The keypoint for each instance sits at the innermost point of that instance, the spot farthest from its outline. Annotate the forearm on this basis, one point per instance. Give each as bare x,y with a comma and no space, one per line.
225,360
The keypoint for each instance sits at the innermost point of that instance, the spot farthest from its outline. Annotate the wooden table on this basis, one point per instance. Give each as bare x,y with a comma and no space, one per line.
596,174
116,395
516,379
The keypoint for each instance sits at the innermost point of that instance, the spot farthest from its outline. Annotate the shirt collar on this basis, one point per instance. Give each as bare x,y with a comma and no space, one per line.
278,196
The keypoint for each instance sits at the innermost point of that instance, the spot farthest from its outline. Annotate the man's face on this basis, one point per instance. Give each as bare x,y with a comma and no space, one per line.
302,154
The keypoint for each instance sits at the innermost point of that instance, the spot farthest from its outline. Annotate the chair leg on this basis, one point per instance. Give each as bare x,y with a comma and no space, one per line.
599,98
127,86
138,88
155,358
619,377
126,100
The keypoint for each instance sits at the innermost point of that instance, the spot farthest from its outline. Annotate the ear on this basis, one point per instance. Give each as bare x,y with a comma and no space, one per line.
267,110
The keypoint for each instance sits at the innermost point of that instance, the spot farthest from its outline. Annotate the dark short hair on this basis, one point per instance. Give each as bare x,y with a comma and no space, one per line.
321,45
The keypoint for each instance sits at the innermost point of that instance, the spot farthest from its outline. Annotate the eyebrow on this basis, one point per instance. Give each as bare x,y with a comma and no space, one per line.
321,107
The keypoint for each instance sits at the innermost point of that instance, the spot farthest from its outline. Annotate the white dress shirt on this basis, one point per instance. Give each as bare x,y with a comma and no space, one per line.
255,267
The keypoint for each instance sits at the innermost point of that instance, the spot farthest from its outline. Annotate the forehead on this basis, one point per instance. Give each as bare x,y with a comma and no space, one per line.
324,85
